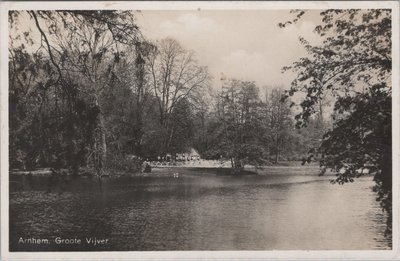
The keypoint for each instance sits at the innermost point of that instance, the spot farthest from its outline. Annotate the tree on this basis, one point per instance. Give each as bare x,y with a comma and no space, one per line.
280,123
129,90
202,117
174,74
49,126
354,65
182,118
239,132
80,50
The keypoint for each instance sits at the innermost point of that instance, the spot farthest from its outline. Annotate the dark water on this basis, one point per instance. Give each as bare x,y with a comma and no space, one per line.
282,212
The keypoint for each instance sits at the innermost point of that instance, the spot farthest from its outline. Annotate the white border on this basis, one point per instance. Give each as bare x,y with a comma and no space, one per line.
185,255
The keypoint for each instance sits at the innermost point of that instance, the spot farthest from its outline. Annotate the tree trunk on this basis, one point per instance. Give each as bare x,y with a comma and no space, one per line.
103,140
139,63
277,149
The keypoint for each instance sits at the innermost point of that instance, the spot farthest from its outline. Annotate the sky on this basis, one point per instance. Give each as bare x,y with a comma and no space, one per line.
240,44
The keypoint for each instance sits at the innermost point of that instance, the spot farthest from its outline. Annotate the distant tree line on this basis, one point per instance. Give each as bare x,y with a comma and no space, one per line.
247,128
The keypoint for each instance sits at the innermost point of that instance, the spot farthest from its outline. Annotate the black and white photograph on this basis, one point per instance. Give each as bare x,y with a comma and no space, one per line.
206,127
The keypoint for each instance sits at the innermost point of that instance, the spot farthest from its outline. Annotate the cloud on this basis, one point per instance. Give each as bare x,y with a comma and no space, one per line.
188,26
244,45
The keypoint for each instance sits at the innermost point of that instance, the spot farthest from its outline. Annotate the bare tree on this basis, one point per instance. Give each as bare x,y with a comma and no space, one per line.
174,75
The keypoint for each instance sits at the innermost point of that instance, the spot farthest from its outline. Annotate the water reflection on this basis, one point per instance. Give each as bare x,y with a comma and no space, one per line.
281,212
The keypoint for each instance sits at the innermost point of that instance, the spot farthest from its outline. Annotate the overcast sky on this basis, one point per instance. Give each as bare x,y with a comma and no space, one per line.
245,45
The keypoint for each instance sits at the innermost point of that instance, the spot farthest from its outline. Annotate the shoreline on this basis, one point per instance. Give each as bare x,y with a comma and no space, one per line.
165,170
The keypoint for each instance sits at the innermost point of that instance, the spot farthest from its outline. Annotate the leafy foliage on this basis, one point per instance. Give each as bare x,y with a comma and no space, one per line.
246,129
64,73
353,64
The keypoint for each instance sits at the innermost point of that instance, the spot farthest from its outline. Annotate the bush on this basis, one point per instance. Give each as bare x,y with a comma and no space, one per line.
122,163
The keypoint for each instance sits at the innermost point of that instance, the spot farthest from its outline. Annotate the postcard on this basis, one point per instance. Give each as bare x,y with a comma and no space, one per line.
200,130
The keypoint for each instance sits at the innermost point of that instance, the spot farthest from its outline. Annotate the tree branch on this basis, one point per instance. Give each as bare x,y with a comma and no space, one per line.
48,46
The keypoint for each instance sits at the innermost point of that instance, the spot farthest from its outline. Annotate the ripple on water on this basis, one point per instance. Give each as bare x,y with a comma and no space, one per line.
210,213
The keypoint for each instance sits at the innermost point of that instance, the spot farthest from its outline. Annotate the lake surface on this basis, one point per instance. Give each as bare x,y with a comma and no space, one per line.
198,212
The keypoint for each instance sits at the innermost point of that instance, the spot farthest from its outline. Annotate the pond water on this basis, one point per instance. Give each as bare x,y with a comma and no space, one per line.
198,212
